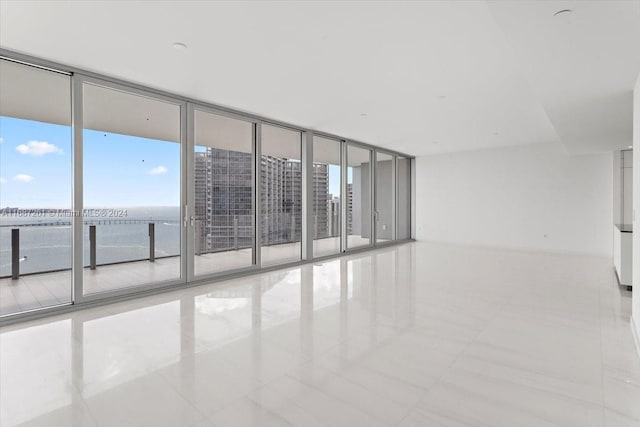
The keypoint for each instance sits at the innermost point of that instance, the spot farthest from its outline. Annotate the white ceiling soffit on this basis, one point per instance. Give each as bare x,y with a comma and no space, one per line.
34,94
582,65
213,130
109,110
281,142
357,156
417,77
326,150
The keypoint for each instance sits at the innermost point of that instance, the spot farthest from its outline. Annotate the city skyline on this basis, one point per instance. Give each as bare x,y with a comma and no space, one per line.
224,206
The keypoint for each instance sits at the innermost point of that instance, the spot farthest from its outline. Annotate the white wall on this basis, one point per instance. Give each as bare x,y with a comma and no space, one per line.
627,187
636,214
532,197
617,187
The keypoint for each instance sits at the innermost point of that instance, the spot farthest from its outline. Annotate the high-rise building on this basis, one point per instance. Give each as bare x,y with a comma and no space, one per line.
281,191
321,200
223,200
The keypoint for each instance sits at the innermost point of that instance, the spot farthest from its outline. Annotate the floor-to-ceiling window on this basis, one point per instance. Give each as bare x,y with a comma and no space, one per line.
327,197
404,198
35,188
145,179
385,197
223,176
131,189
358,197
281,195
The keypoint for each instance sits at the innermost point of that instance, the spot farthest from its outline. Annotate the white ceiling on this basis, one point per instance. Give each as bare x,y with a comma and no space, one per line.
417,77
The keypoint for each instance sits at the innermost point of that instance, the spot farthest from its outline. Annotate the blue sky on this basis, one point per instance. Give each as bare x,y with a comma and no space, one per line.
334,180
119,170
34,178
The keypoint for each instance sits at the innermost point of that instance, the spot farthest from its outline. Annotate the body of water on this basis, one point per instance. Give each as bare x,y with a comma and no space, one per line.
47,248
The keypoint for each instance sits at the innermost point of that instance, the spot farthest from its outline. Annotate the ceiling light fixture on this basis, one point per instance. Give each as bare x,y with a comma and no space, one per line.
563,11
179,46
629,146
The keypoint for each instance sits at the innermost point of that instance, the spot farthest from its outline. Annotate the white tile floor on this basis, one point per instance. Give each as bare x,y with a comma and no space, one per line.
415,335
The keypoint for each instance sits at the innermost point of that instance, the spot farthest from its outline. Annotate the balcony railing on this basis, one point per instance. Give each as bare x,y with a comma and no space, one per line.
46,247
103,247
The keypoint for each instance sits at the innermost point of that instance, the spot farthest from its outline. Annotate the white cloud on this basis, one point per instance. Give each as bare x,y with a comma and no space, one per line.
38,148
1,140
158,170
2,180
21,177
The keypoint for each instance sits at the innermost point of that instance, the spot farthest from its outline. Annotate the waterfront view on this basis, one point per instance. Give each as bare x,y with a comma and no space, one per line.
232,190
45,242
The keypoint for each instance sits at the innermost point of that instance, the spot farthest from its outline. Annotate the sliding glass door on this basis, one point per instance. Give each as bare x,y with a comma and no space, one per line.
131,189
281,195
403,219
109,189
35,188
327,196
222,219
358,197
384,214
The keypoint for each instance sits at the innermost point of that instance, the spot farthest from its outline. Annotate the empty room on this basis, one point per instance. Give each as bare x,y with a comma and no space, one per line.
319,213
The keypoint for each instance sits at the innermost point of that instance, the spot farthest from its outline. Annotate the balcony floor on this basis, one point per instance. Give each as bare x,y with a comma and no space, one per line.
35,291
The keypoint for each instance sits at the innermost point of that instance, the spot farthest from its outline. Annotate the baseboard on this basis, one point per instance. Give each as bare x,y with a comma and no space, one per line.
636,335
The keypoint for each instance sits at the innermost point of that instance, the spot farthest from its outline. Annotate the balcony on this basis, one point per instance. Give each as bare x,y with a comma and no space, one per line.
44,278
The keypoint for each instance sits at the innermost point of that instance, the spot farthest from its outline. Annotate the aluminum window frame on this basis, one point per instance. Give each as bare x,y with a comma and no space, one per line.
190,182
79,80
304,199
342,160
187,106
372,237
394,196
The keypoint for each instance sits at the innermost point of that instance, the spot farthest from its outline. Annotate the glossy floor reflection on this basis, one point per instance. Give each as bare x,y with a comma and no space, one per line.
414,335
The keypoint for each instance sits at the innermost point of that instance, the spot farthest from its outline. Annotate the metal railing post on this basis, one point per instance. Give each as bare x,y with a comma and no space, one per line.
265,238
293,227
315,226
152,242
198,237
15,253
92,247
235,233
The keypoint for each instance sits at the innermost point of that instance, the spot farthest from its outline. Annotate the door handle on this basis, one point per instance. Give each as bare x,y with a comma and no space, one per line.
185,221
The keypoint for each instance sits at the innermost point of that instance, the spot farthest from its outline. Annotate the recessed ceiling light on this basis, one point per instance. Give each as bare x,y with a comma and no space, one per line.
629,146
562,12
179,46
